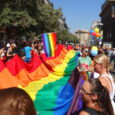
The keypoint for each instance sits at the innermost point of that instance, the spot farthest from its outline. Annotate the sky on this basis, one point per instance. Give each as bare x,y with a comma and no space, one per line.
79,14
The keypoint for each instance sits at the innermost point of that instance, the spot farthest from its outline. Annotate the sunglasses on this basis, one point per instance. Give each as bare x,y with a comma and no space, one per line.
85,50
85,92
96,63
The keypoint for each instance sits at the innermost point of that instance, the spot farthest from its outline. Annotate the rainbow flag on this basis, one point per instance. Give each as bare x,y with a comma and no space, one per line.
48,81
49,43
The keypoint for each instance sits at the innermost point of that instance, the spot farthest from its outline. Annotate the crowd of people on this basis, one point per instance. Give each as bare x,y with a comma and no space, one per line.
101,67
24,49
98,90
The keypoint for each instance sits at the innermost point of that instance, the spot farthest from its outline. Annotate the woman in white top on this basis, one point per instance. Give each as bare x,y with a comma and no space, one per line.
101,66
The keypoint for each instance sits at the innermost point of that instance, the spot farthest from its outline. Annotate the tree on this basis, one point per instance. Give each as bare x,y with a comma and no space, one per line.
65,35
25,17
32,17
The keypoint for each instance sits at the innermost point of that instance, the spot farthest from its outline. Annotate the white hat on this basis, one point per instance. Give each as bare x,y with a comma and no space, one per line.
7,45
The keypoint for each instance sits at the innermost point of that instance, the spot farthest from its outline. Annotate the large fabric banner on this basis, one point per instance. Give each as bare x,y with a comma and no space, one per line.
48,80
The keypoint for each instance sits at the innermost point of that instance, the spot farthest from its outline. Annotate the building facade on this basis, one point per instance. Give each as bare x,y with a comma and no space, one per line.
96,24
83,37
108,19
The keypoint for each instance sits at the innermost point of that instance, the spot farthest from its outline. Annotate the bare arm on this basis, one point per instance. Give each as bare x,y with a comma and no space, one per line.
8,53
83,113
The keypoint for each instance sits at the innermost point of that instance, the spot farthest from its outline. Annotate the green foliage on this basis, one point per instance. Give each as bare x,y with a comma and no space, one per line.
32,17
48,18
65,35
16,18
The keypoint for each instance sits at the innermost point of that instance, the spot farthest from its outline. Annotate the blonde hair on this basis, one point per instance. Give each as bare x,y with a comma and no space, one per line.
104,60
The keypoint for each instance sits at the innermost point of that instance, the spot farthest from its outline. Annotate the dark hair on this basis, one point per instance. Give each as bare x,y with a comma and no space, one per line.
103,96
28,43
15,101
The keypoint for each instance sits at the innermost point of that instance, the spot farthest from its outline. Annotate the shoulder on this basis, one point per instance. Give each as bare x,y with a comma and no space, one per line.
9,49
88,57
105,77
79,58
84,113
104,80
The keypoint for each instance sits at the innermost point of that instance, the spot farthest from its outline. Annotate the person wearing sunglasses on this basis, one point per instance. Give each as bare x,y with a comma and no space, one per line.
96,98
84,64
101,66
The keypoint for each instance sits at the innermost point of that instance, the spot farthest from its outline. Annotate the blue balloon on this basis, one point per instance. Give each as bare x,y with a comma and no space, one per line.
91,31
94,52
